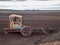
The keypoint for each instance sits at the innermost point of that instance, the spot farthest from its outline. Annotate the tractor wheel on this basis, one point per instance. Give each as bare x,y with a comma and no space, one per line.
26,31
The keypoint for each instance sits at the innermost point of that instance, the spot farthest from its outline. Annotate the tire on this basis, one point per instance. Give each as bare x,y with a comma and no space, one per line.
26,31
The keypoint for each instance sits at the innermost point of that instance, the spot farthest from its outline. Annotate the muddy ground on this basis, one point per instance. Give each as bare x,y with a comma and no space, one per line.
34,39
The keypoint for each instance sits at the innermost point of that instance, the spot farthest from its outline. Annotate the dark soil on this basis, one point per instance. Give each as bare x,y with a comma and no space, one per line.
34,39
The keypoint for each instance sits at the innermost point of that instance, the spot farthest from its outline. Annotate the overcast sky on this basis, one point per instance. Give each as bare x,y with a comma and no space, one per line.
30,5
29,0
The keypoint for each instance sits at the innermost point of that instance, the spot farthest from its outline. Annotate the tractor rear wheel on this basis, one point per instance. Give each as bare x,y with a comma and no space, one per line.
26,31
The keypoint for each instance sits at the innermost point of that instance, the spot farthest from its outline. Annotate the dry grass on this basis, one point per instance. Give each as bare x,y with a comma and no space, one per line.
52,40
52,43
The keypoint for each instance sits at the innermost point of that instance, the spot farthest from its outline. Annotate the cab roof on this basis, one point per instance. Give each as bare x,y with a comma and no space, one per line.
14,15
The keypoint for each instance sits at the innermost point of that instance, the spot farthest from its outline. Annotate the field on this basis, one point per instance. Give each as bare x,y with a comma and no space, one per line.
34,39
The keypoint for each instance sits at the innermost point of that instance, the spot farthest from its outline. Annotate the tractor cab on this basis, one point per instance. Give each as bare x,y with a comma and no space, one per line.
15,21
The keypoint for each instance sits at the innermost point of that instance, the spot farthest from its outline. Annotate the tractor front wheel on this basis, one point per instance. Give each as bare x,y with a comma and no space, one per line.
26,31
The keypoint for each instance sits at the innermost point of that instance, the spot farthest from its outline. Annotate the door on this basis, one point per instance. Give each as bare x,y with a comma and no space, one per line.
16,23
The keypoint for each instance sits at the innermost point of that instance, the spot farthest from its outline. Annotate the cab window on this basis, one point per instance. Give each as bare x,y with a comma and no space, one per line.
16,19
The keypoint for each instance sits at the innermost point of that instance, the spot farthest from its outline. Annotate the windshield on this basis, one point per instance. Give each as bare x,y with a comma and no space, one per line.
16,19
30,4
